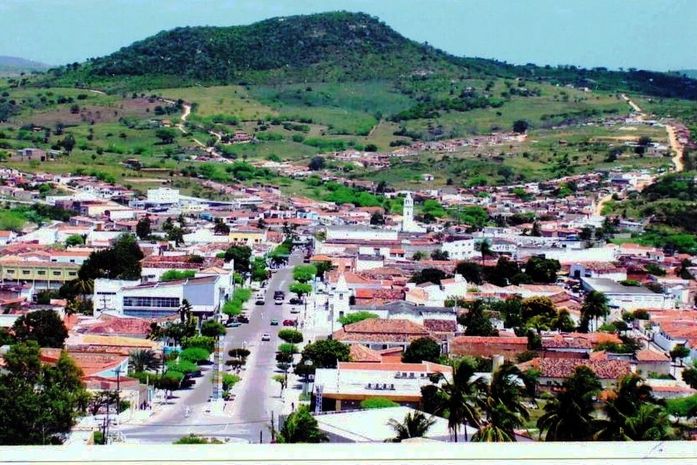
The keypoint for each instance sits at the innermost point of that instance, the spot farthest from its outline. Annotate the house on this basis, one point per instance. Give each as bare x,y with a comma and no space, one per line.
43,274
647,361
361,233
554,371
480,346
6,237
32,153
597,270
379,333
403,310
344,387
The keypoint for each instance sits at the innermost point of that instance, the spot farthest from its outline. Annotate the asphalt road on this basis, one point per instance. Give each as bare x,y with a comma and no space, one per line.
257,395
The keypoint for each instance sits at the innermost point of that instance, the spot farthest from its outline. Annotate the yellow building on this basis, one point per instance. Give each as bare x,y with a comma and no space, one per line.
49,272
248,237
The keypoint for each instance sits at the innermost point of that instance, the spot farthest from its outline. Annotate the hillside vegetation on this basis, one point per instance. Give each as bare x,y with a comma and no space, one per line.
325,47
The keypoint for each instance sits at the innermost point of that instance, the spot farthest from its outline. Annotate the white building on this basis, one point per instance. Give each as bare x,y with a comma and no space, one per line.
360,233
163,195
628,298
463,249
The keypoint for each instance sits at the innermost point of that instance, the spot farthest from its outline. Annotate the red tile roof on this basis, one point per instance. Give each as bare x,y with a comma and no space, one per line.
565,367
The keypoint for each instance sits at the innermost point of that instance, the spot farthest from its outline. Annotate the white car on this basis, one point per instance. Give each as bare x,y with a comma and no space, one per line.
265,337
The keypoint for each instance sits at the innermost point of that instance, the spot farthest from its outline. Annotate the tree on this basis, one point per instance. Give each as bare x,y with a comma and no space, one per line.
68,143
74,239
475,321
689,375
291,336
39,403
143,360
624,419
594,307
43,326
121,261
377,219
304,273
282,380
520,126
325,353
300,289
503,406
461,398
568,417
484,248
418,255
538,307
194,355
241,255
679,352
471,271
440,255
176,235
356,317
422,349
166,135
300,427
414,425
542,270
212,328
429,275
377,402
144,227
220,227
316,163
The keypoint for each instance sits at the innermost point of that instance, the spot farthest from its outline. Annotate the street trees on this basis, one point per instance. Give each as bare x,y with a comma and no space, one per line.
43,326
39,403
304,273
259,270
422,349
325,353
476,321
300,289
291,336
212,328
542,270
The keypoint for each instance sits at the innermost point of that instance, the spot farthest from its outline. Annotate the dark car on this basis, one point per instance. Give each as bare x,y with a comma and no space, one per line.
295,301
242,319
274,322
290,323
260,302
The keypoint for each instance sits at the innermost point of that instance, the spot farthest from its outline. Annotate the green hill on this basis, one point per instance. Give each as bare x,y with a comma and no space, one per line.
326,47
15,65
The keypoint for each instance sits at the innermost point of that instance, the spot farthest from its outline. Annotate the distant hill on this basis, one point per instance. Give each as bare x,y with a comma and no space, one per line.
691,73
16,65
325,47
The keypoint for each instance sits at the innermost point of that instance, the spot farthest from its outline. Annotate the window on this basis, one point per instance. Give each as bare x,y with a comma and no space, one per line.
26,272
156,302
72,273
56,273
41,272
10,271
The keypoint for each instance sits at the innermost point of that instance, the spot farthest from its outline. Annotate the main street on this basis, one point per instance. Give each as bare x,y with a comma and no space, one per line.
257,395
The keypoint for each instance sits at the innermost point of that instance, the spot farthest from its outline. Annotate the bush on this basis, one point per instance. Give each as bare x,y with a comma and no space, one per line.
288,348
173,275
203,342
378,402
291,336
356,317
194,354
229,380
233,307
183,366
681,407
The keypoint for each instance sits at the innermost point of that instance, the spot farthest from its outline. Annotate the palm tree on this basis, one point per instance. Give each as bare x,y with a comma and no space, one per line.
631,413
142,360
415,425
504,406
300,427
461,398
568,417
594,307
484,247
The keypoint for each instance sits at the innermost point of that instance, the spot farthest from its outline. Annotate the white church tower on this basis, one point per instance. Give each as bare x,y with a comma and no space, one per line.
408,223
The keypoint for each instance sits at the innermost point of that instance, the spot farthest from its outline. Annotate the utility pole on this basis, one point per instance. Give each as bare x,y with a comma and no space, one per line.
273,428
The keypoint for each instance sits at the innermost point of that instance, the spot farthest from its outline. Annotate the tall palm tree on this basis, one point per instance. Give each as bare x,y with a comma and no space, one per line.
568,417
142,360
631,413
594,307
415,425
504,407
484,248
461,398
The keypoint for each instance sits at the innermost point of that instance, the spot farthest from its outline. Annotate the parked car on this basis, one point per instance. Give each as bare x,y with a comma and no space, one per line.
295,301
243,319
265,337
260,302
274,322
233,324
295,310
290,322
